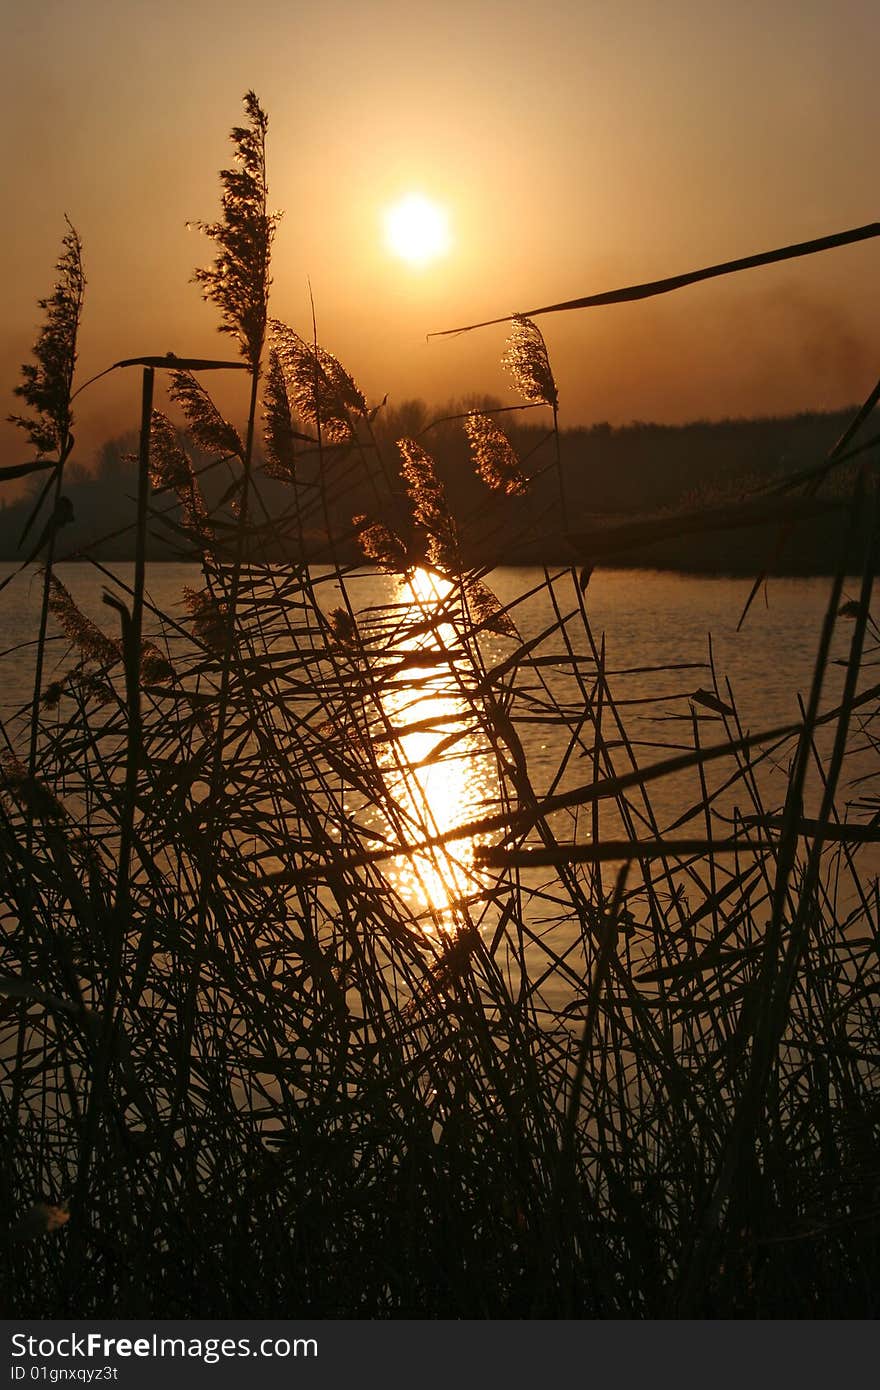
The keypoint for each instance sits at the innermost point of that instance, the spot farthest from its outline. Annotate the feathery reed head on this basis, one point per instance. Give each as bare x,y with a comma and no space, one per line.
494,456
319,387
526,359
47,383
278,431
206,425
92,643
486,611
91,686
382,546
430,507
238,281
171,468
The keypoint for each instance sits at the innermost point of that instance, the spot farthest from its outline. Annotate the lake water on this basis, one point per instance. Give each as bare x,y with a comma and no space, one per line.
659,630
649,619
659,633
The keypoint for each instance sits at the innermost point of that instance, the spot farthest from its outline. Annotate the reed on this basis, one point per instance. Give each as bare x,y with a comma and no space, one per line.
284,1031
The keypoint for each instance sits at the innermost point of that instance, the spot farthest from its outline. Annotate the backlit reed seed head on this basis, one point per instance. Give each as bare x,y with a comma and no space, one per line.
278,431
526,359
486,611
382,546
318,386
47,383
86,636
171,470
494,456
208,618
430,508
206,425
238,281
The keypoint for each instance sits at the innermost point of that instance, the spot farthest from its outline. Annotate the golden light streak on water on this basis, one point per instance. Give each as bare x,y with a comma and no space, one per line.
440,772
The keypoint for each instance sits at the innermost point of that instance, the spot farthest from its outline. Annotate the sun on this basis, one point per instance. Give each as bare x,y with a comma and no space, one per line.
417,230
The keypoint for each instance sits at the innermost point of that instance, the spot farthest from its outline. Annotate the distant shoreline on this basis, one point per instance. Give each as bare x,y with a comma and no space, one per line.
614,476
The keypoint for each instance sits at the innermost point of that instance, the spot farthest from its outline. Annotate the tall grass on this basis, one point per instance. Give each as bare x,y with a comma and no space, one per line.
286,1030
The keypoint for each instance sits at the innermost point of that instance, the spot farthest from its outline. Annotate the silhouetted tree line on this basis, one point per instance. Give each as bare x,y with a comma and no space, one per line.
613,472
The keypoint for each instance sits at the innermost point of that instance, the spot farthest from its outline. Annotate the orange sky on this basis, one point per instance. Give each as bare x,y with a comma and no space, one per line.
577,145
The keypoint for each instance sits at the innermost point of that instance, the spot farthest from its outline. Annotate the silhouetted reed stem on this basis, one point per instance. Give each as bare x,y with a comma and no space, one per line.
120,923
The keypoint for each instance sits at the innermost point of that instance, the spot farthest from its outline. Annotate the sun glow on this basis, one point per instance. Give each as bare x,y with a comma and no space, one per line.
417,230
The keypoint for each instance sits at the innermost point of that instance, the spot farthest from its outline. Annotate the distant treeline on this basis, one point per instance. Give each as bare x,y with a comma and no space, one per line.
610,474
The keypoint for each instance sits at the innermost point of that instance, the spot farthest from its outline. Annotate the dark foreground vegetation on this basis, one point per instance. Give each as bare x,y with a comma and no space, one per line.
586,1063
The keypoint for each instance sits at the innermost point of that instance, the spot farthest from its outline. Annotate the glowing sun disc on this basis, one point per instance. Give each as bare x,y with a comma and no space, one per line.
417,230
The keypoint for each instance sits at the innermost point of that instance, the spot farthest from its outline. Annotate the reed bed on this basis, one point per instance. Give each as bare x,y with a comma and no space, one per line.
319,993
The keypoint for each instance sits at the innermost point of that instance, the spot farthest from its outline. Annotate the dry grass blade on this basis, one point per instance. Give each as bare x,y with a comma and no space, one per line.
692,277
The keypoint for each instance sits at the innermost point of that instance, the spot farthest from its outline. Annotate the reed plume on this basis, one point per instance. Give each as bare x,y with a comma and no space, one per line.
430,507
528,363
51,697
494,457
278,431
238,281
206,425
156,669
485,609
381,545
171,470
47,383
343,627
88,684
319,388
93,644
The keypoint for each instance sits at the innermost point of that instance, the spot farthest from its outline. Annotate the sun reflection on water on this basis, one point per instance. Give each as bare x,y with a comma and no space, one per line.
440,772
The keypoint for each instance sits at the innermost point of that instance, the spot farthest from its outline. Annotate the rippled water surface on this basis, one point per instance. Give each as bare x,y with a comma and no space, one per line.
659,632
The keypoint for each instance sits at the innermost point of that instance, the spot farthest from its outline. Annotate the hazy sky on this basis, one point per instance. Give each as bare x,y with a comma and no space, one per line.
577,147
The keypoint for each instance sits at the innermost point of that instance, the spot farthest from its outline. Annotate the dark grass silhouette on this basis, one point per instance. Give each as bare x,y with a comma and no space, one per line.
248,1069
